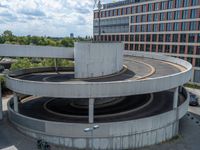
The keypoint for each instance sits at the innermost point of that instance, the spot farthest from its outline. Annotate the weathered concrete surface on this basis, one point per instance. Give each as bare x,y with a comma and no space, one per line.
97,59
36,51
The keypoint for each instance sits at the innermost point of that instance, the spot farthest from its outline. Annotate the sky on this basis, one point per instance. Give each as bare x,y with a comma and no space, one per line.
56,18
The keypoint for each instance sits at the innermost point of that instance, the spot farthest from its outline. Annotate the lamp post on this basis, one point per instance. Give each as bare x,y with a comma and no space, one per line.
91,130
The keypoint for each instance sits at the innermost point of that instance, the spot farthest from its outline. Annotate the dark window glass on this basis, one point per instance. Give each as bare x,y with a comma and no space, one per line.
128,10
136,47
132,19
160,48
131,46
122,37
182,49
185,14
193,13
153,48
190,49
156,6
131,37
119,12
170,4
184,26
162,16
167,38
115,12
167,48
154,37
160,38
185,3
169,26
143,18
111,12
177,15
133,10
137,38
150,7
144,8
148,37
198,37
132,28
195,2
138,28
143,28
113,37
150,17
137,19
197,62
141,47
175,38
138,9
169,15
174,49
198,50
178,3
156,17
189,59
155,27
147,47
162,27
117,37
126,38
149,27
176,26
163,5
126,46
191,38
183,38
142,37
193,25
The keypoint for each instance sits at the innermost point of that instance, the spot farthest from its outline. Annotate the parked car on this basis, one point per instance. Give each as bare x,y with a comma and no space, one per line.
193,100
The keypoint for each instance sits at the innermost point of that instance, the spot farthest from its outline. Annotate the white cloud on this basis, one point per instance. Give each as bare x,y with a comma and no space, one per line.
47,17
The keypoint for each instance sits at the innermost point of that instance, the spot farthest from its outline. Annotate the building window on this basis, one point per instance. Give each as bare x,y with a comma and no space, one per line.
193,13
148,38
189,59
162,16
143,18
149,17
186,3
167,48
198,37
167,38
193,25
138,9
141,47
191,38
156,6
198,50
197,62
160,38
155,28
147,47
185,14
162,27
128,10
160,48
169,16
156,17
178,3
176,26
144,8
183,38
137,19
162,5
184,26
138,28
170,4
132,19
115,12
126,47
182,49
177,15
150,8
132,10
137,38
149,27
126,37
119,12
131,37
131,46
154,37
175,38
174,49
195,2
169,26
143,28
136,47
190,50
122,37
142,37
153,48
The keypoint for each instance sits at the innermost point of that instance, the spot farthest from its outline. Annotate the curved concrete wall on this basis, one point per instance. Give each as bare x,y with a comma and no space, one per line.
97,59
36,51
110,136
81,89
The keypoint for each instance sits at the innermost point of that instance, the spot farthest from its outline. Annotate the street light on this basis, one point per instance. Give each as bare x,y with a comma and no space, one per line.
91,129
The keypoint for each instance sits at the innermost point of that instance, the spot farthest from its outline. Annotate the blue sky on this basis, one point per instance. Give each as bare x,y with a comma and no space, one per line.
56,18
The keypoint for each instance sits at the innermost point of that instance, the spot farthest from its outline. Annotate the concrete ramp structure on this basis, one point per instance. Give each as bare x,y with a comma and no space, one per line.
110,100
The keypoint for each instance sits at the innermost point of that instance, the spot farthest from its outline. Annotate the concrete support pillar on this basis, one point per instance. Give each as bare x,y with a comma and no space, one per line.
1,105
16,103
91,110
175,98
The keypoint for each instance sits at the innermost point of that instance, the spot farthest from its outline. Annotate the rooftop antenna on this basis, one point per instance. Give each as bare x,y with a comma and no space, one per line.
99,6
